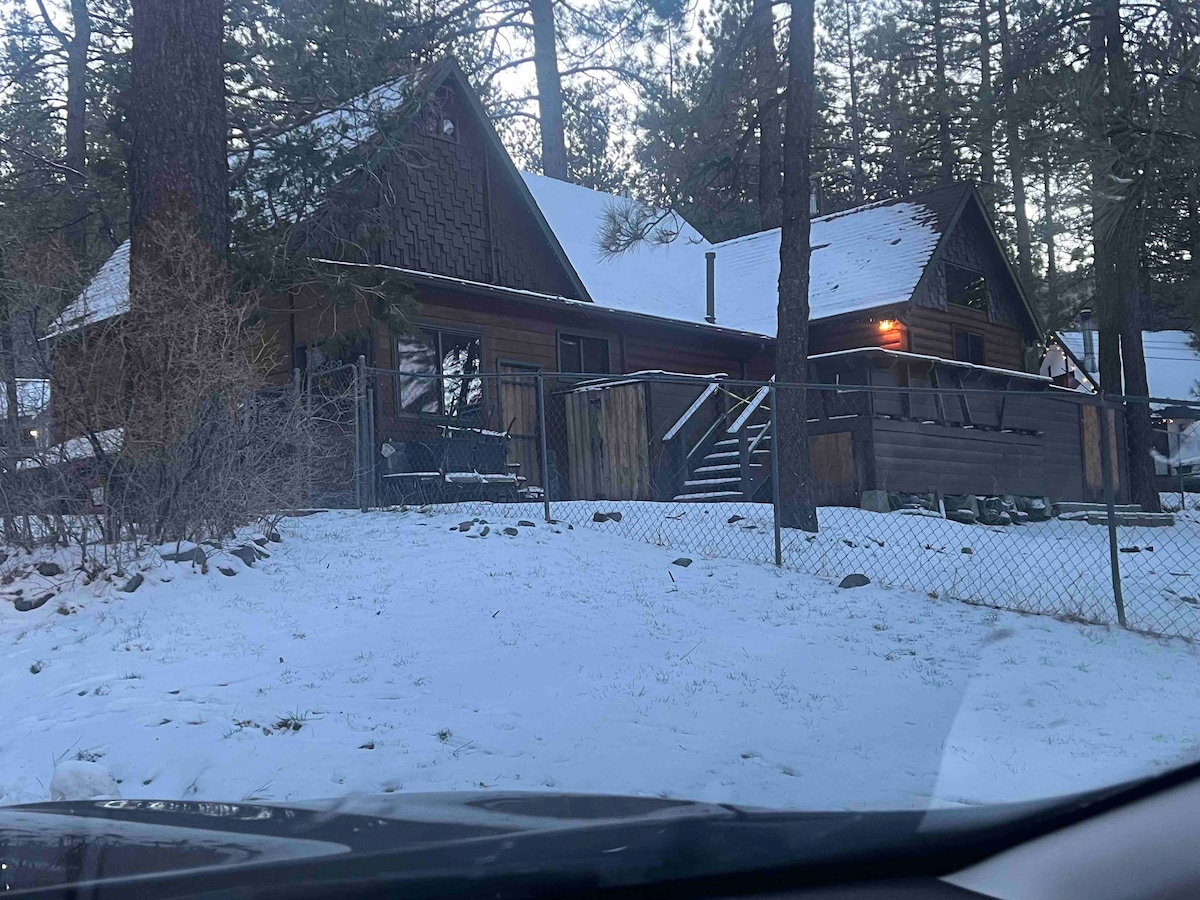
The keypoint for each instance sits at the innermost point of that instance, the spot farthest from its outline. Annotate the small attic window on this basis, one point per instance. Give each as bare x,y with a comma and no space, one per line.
966,288
441,126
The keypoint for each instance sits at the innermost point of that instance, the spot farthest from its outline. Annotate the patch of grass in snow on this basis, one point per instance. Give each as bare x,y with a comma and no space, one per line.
444,735
95,754
292,722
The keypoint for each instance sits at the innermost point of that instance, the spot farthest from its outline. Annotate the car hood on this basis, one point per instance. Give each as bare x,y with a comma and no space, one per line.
445,844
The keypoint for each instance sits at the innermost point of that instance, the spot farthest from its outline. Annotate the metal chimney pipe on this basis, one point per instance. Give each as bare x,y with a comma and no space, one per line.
710,286
1089,341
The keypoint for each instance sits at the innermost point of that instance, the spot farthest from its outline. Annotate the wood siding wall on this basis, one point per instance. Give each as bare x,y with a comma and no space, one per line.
850,333
931,332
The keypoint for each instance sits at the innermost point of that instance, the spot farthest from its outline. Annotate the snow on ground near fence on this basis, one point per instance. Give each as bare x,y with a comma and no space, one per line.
393,652
1057,567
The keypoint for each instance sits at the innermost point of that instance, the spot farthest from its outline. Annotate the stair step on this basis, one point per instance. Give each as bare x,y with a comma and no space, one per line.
713,495
1071,506
1132,519
729,454
711,482
732,442
724,467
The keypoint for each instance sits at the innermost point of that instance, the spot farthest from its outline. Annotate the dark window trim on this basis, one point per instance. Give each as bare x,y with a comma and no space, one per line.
607,337
955,331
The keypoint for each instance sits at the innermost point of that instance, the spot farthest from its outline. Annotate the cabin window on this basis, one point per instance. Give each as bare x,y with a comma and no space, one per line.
331,353
966,288
577,353
968,347
439,372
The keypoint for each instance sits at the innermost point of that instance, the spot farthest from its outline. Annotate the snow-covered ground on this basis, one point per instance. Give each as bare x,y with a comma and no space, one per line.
1057,567
392,652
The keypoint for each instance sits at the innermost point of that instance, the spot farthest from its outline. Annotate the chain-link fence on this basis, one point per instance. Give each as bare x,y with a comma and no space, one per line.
1008,498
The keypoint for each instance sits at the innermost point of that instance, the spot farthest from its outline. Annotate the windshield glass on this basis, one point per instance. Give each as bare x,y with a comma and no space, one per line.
737,403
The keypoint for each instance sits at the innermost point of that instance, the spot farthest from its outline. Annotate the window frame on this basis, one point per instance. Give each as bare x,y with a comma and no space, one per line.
976,274
583,335
969,332
440,331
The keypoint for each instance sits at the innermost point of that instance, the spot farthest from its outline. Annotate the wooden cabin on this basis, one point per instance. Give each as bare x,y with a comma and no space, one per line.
510,279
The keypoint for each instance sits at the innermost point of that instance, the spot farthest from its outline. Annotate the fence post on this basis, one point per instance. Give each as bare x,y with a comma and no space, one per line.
360,495
369,452
1114,557
541,405
775,475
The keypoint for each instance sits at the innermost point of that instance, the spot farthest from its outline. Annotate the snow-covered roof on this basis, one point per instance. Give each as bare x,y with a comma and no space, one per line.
864,258
110,441
661,279
33,396
1172,364
107,295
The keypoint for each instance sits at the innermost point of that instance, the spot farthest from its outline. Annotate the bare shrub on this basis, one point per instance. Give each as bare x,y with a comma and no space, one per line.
168,428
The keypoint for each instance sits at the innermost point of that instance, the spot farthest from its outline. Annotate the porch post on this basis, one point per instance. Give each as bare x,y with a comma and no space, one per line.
541,406
1114,558
775,477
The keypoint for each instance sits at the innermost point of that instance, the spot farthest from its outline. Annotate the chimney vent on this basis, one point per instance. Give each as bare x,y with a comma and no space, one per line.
710,286
1089,341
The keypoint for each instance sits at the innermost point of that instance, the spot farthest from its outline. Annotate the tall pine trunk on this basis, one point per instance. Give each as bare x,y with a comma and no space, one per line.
770,116
1126,241
856,137
76,124
796,508
945,143
178,151
1016,148
1107,295
549,85
1048,212
987,109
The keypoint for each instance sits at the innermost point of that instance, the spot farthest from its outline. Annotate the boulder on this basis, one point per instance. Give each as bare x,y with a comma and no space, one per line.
465,526
967,551
511,532
875,501
965,516
48,569
195,555
525,523
133,583
733,519
682,562
855,580
957,502
274,538
245,553
614,517
599,517
226,571
25,604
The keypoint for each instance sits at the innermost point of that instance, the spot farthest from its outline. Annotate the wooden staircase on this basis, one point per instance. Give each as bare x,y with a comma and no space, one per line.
723,449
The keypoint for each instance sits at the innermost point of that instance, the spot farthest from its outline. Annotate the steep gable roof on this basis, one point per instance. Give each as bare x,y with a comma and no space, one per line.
335,134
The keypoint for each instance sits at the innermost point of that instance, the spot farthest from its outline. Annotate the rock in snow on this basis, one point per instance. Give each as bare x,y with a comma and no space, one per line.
855,580
76,779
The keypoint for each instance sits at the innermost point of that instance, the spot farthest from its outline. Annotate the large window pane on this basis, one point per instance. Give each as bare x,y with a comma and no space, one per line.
460,357
432,353
417,358
583,354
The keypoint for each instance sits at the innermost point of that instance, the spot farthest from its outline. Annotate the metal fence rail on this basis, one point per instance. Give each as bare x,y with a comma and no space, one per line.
1011,499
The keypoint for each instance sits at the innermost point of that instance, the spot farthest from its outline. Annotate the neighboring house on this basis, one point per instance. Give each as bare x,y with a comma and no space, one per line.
909,292
1172,373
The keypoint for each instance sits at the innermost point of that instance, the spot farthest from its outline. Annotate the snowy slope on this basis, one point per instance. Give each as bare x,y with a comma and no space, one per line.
416,657
1172,364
